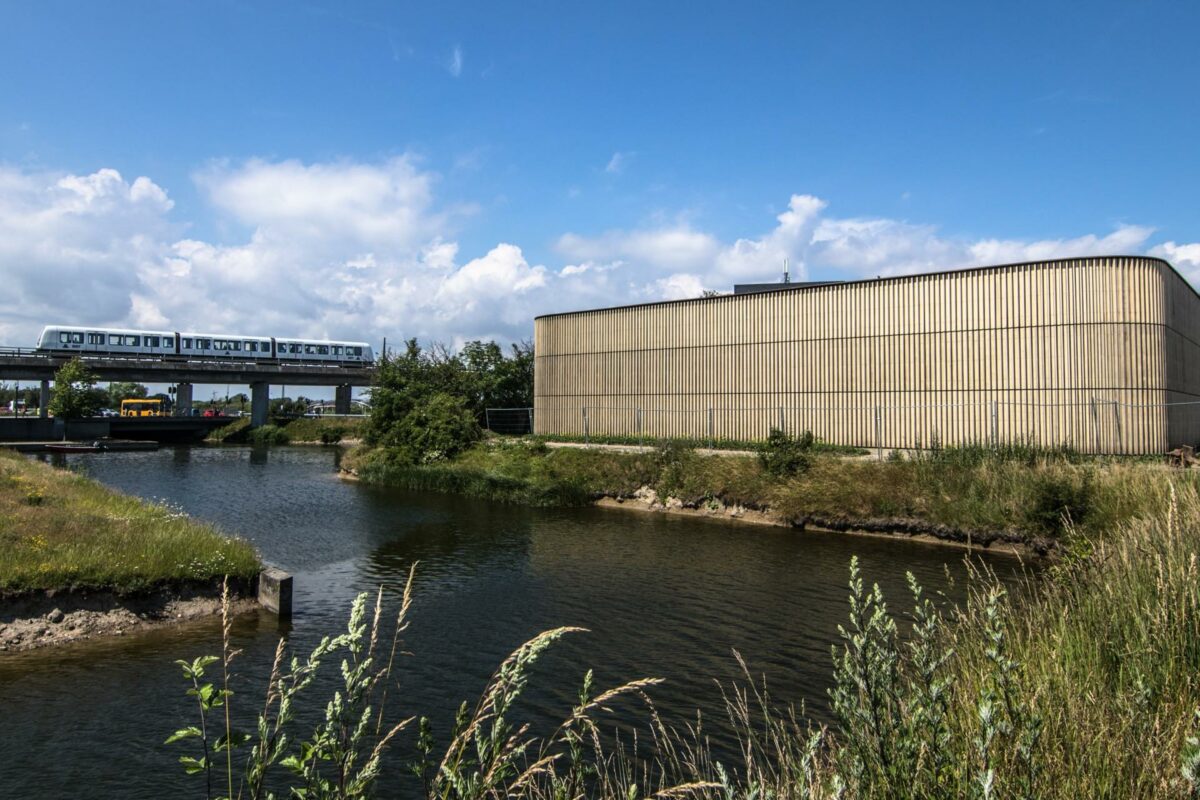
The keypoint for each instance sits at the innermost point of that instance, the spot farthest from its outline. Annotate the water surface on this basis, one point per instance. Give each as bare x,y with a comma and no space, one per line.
662,596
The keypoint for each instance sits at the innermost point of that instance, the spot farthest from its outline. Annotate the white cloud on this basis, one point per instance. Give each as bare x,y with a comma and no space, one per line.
1185,257
455,65
366,250
617,163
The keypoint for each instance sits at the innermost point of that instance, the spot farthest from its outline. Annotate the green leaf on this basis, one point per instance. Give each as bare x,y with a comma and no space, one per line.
183,733
232,741
193,766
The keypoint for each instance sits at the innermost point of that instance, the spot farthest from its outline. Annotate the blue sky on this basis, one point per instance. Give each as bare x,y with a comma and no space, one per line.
449,170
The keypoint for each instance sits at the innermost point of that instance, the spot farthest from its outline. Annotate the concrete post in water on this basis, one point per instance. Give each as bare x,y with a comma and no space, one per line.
275,591
44,400
341,399
183,399
260,403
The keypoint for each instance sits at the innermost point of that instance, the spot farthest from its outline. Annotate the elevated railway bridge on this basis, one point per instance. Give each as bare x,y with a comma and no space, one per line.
25,364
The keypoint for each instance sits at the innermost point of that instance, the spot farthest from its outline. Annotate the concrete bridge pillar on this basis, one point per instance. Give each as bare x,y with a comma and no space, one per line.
260,403
183,400
341,399
44,400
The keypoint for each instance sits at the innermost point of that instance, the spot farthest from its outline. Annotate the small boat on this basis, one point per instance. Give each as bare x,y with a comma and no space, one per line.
75,447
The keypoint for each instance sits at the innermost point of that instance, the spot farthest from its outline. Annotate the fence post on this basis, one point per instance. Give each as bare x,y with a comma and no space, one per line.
583,411
487,418
530,410
995,427
782,423
712,441
1119,444
641,439
878,434
1095,425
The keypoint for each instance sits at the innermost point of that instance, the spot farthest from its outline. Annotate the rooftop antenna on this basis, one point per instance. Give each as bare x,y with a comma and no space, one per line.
786,278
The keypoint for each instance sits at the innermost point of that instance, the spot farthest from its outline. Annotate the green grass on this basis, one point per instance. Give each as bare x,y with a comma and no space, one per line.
59,530
302,430
714,444
1015,491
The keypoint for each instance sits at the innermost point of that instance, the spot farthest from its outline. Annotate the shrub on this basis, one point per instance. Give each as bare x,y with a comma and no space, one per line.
330,437
268,434
1059,498
436,430
784,455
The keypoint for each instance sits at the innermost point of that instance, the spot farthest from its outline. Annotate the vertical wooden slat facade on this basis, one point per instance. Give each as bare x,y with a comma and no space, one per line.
1102,353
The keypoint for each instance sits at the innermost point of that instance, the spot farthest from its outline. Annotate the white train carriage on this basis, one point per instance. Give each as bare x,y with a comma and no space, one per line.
196,346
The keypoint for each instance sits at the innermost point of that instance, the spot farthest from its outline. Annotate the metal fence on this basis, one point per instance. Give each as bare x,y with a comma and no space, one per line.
1098,425
510,421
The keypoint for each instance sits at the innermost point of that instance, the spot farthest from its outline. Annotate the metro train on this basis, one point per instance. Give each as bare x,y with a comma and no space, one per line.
65,339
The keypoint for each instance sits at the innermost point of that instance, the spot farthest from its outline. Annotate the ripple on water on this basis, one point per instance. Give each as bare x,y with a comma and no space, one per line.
662,596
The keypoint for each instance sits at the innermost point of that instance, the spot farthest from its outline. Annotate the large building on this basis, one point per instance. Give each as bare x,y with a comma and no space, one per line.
1101,353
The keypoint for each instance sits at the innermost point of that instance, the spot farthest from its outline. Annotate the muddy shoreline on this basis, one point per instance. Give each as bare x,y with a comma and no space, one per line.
50,618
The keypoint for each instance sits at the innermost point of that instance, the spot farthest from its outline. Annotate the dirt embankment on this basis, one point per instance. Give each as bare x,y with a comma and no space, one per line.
646,499
44,619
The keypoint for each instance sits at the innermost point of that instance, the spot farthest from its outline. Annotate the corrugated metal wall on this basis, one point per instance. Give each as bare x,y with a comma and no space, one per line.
1083,351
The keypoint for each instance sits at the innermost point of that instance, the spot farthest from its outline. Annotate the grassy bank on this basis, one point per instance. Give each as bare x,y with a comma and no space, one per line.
303,430
63,531
1019,491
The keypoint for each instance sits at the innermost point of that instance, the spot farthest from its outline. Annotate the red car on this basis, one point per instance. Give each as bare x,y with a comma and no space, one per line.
213,412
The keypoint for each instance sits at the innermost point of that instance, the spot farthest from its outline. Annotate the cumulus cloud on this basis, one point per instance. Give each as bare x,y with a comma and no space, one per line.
366,250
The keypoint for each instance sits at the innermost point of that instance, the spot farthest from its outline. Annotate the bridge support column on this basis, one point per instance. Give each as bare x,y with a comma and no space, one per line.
260,403
183,400
341,399
44,400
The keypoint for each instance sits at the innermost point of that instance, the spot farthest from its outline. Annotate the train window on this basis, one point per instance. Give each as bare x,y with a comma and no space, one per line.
64,337
310,349
95,338
356,351
187,342
115,339
264,347
204,344
323,349
337,349
294,348
251,347
152,341
133,341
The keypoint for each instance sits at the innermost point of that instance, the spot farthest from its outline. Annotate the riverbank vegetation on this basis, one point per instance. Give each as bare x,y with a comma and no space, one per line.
62,531
1020,491
282,430
1085,684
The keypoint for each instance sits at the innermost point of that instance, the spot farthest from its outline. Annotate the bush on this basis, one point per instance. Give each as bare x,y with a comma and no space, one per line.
330,437
267,434
436,430
783,455
1059,498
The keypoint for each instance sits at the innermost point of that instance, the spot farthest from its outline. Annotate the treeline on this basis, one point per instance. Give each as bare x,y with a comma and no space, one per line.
429,404
98,397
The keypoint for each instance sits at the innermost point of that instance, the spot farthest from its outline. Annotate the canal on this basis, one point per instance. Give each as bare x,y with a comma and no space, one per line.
663,596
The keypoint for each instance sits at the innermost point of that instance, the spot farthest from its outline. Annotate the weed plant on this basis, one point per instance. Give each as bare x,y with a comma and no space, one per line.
1083,685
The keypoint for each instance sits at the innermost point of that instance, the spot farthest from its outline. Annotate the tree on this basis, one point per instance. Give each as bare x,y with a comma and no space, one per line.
125,391
75,393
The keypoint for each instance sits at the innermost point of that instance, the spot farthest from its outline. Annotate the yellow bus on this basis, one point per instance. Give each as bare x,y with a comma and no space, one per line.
150,407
